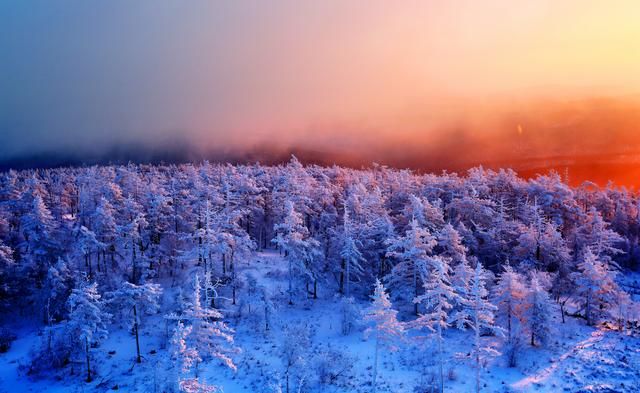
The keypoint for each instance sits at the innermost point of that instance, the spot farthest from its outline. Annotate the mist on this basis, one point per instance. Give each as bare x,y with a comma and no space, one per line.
425,85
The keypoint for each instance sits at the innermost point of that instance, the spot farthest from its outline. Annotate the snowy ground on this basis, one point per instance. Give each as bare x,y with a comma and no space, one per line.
579,359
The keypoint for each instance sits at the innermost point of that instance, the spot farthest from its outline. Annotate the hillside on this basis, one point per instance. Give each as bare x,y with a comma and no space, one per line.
296,278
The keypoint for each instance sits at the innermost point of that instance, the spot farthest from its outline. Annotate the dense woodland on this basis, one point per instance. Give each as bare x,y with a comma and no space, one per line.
486,251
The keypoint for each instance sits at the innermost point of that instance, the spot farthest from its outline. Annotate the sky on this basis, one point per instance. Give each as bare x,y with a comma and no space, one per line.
373,80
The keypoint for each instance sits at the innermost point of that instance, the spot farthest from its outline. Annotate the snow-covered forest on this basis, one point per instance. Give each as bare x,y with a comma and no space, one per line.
293,278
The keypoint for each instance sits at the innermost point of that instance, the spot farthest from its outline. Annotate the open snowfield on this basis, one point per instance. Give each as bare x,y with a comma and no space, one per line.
578,359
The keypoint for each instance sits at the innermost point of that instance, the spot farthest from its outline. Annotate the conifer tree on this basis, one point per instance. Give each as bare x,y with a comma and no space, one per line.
412,252
299,248
438,299
186,357
595,286
136,299
350,254
387,331
210,336
538,311
509,295
482,318
87,320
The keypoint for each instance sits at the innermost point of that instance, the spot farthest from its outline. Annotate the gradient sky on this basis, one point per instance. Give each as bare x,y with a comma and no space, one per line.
89,74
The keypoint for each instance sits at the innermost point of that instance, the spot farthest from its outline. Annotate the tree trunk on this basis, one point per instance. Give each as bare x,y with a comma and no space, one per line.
287,380
533,343
477,358
224,264
134,278
375,366
415,285
87,262
86,341
290,282
588,310
509,322
135,330
440,362
233,278
341,288
348,278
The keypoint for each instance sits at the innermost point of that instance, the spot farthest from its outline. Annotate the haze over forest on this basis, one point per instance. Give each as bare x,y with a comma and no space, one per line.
424,85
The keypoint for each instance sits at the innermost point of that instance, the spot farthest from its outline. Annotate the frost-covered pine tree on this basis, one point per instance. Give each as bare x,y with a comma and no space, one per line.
623,309
595,234
250,299
427,214
210,336
131,236
595,286
186,357
411,252
537,311
136,299
414,209
57,290
350,254
461,281
387,331
437,300
106,230
374,228
509,295
6,256
349,314
38,227
86,245
104,223
256,304
7,266
87,320
268,308
295,352
241,246
450,247
299,247
481,318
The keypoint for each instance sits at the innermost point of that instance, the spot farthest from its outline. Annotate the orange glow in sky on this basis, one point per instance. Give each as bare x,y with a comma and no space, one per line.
404,65
350,78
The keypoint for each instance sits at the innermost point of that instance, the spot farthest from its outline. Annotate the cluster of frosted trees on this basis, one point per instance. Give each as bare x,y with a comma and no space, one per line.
80,246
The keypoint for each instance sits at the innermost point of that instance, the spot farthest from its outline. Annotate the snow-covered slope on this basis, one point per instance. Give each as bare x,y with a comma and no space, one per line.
578,359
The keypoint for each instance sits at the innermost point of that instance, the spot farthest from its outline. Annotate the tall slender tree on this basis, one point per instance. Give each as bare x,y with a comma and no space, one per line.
299,247
387,331
509,295
87,320
482,318
437,300
538,311
412,252
350,254
137,300
595,286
